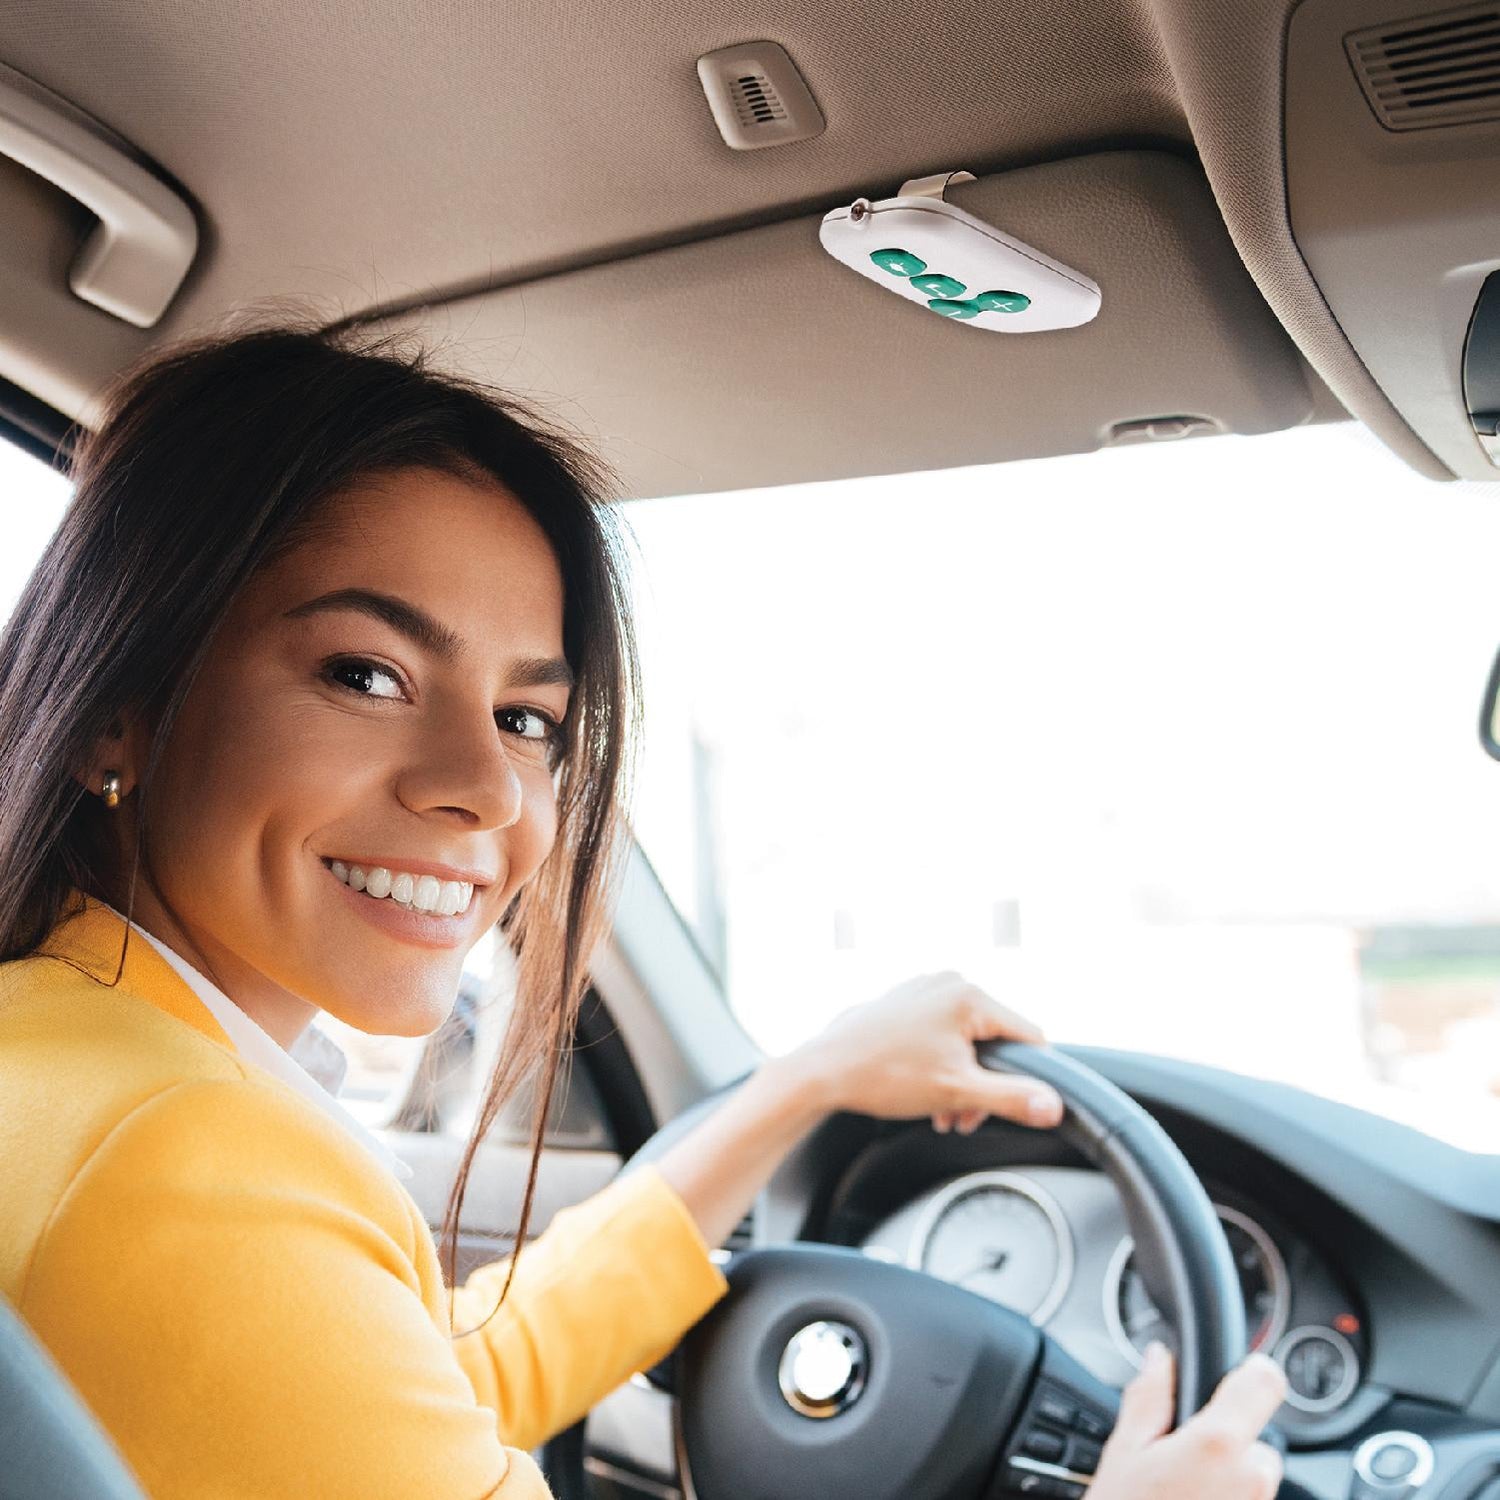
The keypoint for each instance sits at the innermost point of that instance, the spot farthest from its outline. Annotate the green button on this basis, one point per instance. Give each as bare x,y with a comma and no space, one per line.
935,284
898,262
946,307
1003,301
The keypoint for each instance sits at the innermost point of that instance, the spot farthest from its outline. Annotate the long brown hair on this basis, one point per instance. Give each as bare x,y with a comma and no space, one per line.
215,456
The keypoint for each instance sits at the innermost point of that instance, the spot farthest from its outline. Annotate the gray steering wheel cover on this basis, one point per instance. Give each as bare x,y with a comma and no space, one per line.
1181,1250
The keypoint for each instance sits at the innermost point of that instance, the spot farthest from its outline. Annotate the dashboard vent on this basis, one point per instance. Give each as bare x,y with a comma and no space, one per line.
1442,69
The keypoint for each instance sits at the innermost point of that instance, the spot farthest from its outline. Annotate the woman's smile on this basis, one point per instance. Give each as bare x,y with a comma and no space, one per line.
444,890
410,904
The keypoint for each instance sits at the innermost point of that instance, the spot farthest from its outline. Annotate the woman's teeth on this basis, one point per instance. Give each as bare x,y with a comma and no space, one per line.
443,898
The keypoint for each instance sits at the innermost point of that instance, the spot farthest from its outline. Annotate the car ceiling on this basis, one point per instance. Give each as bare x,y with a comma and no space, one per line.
383,160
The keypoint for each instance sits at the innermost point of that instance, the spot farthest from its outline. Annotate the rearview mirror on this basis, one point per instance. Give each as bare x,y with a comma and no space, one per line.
1489,715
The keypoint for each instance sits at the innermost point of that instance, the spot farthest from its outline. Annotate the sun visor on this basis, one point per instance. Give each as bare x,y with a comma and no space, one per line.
755,358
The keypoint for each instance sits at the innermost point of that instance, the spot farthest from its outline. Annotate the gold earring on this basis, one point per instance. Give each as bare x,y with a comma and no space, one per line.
111,789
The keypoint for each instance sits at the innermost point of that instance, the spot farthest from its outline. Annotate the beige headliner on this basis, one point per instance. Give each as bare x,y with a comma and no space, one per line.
376,156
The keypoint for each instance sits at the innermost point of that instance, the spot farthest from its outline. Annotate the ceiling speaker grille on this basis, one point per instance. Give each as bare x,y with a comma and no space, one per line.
757,96
756,101
1442,69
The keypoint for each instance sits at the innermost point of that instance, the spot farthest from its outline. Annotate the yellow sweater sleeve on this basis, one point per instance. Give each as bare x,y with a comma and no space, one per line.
244,1305
609,1288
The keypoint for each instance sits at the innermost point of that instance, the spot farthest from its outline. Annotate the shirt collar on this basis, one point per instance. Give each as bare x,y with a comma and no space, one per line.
258,1046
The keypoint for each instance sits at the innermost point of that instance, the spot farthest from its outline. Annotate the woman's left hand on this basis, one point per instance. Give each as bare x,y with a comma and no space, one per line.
911,1053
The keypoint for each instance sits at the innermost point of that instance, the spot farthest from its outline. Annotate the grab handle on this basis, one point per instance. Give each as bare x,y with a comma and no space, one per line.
138,254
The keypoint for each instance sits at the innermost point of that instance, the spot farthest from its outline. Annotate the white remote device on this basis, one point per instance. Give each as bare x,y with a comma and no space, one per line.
934,254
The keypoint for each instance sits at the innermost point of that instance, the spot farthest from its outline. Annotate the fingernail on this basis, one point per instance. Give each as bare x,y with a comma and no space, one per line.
1044,1108
1156,1351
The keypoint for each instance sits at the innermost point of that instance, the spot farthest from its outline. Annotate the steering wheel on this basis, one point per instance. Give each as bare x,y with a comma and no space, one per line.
825,1372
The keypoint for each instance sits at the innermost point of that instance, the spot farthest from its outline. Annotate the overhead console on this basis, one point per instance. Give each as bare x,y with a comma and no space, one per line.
1392,158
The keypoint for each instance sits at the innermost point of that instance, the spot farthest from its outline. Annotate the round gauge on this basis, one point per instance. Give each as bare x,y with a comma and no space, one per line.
1322,1368
1134,1320
998,1234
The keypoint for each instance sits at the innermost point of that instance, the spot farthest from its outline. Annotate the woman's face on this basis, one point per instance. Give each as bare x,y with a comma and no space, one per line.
378,709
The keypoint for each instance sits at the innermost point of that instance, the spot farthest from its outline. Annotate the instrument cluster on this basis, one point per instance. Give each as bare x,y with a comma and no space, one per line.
1052,1243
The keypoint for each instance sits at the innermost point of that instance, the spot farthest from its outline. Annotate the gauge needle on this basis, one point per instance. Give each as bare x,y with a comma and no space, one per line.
994,1260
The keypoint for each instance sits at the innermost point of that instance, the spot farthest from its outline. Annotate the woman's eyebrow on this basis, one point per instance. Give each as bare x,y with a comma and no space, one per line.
431,634
541,671
414,623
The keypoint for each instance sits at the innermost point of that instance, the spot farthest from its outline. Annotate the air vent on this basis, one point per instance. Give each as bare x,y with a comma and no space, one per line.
758,97
1442,69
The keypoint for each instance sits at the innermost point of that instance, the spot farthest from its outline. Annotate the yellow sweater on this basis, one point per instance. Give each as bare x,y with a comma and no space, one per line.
247,1301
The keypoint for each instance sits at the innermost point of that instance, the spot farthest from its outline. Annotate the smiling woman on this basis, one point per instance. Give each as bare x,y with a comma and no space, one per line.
386,642
234,841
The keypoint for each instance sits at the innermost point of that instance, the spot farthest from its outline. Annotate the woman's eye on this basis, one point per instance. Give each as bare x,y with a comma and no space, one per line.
526,723
367,678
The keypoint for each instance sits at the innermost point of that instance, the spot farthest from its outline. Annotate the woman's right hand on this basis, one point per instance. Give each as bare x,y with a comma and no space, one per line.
1217,1452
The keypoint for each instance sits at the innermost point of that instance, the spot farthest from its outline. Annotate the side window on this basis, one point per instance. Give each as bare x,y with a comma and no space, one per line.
33,496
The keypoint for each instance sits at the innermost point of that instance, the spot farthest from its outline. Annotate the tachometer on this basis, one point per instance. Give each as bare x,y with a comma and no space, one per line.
998,1234
1134,1320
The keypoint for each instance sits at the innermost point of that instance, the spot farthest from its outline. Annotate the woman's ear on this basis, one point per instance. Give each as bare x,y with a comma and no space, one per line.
117,754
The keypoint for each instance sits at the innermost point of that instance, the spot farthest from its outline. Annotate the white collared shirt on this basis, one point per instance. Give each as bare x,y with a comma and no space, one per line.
258,1046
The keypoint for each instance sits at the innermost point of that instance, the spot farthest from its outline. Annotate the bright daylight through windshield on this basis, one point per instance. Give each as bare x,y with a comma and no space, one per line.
1172,748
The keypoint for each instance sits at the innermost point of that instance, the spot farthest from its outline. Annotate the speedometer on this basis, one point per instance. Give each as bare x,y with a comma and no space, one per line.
998,1234
1134,1320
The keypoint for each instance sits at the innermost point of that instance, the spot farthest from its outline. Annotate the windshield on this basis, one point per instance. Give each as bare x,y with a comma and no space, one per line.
1172,748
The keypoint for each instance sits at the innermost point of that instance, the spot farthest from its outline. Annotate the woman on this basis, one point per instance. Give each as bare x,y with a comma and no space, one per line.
326,672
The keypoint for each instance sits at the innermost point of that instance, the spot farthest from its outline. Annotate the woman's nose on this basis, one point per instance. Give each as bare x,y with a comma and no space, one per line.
465,772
